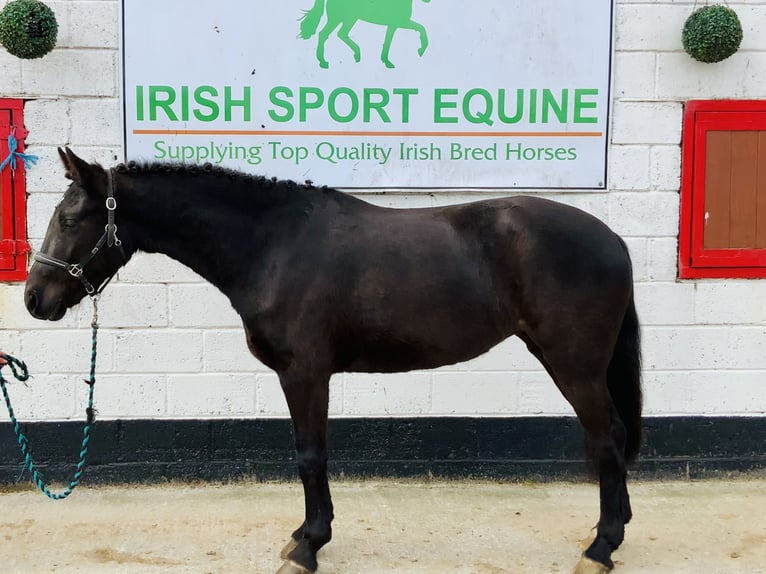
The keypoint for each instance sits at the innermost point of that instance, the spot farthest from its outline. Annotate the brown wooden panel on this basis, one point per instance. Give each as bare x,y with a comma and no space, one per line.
743,206
760,240
717,189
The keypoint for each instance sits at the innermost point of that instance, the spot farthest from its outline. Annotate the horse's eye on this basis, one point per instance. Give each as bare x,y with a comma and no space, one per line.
68,223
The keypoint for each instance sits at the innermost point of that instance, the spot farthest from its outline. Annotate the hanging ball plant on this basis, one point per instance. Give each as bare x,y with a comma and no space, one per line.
28,28
712,33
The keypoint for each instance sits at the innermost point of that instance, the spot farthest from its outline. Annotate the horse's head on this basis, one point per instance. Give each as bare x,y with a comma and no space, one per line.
81,251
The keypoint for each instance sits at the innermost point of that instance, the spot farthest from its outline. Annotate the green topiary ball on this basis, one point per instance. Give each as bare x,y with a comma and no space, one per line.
712,33
28,28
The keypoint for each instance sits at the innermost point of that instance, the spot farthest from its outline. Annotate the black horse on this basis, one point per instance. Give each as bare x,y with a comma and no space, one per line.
325,282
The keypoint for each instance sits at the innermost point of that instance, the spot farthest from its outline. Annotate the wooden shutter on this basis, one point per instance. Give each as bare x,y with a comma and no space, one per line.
13,217
723,196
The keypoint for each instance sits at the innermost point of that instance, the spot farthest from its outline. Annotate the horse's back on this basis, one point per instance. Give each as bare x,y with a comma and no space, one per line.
383,12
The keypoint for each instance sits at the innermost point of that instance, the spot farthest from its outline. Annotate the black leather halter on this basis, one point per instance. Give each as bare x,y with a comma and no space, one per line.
108,238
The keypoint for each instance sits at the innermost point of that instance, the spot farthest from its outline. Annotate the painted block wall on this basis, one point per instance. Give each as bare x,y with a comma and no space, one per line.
172,347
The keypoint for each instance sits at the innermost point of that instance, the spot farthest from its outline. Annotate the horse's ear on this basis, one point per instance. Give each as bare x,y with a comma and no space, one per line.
65,161
79,170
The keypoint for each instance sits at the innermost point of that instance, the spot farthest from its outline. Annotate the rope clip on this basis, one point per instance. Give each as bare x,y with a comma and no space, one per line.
94,322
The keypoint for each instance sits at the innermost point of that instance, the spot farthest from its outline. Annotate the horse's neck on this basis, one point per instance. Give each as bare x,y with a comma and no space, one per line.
200,222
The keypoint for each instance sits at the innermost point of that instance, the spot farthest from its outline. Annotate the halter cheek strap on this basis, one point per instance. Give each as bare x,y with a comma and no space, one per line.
111,207
108,238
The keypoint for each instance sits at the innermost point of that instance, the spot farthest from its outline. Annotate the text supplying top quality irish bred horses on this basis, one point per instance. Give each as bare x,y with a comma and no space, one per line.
325,282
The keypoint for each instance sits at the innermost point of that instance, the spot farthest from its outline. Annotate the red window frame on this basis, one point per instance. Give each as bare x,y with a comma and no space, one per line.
695,261
13,244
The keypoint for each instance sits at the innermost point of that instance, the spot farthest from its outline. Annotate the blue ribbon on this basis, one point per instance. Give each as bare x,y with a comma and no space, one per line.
28,159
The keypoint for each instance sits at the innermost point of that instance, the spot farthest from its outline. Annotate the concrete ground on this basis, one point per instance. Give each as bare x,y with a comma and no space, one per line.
706,527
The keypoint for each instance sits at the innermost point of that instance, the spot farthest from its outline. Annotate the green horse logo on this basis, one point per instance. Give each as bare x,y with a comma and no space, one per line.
393,14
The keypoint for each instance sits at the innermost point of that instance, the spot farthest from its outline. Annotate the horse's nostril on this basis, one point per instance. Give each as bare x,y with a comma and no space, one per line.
31,301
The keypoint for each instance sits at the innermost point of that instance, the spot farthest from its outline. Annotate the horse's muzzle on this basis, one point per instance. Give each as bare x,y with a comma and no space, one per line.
52,311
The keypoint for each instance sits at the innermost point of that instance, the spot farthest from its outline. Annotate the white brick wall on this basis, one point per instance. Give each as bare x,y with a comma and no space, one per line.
10,72
172,347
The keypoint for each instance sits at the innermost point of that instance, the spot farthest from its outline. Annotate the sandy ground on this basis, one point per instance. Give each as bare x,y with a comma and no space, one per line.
707,527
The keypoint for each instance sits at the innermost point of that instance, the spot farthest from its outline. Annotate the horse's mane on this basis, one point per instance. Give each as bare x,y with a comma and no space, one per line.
233,175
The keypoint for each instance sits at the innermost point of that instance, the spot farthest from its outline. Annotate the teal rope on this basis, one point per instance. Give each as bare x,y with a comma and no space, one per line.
20,371
28,159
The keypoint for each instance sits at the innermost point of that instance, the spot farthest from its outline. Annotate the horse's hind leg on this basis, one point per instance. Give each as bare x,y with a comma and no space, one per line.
588,394
420,29
307,398
607,442
390,31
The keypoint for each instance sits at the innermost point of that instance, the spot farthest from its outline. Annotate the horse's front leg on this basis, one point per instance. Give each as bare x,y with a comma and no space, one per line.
343,35
322,37
307,398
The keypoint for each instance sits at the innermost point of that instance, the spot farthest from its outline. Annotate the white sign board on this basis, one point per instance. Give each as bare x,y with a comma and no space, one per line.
374,93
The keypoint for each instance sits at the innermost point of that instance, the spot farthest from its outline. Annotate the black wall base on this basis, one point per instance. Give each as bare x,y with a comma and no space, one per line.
540,448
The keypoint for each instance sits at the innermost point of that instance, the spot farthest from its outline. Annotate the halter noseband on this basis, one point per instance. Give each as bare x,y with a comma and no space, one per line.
108,238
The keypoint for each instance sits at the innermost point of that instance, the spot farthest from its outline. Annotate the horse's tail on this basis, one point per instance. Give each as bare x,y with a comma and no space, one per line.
623,378
310,20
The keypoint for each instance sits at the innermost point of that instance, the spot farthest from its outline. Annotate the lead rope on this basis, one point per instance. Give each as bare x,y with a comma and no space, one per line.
20,371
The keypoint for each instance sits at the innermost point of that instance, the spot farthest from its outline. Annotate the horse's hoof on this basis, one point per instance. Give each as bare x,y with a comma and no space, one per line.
588,566
290,567
324,65
289,547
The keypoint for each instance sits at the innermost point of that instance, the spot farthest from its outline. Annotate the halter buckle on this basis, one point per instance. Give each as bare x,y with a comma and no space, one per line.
75,270
111,203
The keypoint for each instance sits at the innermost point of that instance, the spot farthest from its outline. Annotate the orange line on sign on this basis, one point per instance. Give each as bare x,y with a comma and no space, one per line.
360,133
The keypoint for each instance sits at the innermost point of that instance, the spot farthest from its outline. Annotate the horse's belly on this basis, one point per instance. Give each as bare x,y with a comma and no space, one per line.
389,353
